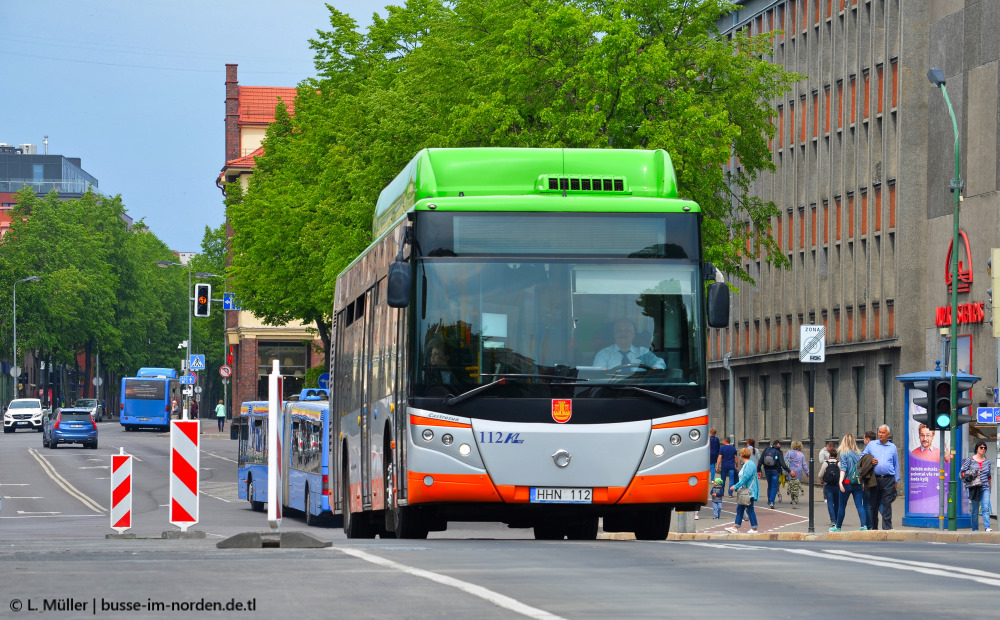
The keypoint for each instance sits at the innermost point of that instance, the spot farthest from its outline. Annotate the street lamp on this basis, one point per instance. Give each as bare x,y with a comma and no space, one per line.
17,371
936,76
200,274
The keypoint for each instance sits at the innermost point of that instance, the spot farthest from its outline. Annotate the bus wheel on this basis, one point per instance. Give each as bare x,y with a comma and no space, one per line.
585,529
406,521
653,525
355,525
254,505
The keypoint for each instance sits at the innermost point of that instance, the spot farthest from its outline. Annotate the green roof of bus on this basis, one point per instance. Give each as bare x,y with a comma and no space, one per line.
481,172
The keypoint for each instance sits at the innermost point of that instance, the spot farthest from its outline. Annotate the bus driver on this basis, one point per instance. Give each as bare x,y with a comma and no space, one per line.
623,352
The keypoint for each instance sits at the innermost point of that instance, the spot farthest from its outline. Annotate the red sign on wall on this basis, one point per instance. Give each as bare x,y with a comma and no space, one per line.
964,273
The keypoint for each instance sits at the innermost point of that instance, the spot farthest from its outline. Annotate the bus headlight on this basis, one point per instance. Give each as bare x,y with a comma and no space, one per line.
695,434
465,449
428,434
658,450
675,439
447,439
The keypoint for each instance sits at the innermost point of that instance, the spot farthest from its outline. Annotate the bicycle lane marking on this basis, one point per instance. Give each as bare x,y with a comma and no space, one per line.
486,594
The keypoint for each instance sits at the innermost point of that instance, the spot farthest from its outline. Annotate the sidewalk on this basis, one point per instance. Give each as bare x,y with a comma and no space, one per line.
784,523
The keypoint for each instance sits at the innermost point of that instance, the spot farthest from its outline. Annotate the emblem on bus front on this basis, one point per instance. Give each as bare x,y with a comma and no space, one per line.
562,409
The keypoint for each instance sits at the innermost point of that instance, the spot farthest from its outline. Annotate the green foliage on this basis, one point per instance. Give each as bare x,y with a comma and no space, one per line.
99,289
525,73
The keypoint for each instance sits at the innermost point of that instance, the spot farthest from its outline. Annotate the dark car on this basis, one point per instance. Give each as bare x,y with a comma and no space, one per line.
70,425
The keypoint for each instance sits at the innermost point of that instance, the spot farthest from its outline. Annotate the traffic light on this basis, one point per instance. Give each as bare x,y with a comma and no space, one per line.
937,402
202,299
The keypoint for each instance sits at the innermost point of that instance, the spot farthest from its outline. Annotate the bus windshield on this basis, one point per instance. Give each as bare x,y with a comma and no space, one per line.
572,326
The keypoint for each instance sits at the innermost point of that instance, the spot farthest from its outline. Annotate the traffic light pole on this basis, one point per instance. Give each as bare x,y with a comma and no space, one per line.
936,76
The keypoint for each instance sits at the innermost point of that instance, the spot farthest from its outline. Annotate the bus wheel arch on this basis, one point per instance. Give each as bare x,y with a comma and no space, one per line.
254,505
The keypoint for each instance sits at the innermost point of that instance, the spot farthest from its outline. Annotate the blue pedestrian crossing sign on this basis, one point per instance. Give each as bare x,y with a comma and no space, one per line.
197,362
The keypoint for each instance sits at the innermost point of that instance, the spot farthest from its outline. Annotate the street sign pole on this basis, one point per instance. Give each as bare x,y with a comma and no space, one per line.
812,351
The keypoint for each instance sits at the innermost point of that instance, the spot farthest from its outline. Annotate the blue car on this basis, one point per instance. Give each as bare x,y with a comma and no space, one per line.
70,425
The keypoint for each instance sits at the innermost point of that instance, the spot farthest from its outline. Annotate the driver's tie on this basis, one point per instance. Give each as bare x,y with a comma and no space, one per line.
625,361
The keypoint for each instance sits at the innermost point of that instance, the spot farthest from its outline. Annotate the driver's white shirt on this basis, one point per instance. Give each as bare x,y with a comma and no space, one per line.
611,357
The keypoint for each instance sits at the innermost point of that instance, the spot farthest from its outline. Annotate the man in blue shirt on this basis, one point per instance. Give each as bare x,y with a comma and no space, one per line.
726,465
886,459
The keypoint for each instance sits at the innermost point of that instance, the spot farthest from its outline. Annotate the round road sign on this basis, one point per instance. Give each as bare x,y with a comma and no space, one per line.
225,370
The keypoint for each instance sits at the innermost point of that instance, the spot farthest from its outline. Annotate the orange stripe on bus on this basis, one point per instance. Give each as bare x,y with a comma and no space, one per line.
451,488
420,420
702,421
671,488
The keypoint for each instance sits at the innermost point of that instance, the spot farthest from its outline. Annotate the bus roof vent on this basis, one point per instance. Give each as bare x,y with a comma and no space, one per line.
588,184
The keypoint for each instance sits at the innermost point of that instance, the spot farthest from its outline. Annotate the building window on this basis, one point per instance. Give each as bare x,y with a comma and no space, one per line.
826,95
888,386
839,216
765,405
894,76
878,208
834,378
840,103
892,205
854,98
864,211
850,215
786,399
859,400
880,70
865,102
826,221
745,397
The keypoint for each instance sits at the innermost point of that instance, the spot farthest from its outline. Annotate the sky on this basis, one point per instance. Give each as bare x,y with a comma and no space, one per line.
136,90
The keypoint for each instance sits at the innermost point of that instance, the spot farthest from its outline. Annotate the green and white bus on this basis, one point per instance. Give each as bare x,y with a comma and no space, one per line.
524,342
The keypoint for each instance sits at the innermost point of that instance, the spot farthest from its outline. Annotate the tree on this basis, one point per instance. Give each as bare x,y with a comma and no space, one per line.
522,73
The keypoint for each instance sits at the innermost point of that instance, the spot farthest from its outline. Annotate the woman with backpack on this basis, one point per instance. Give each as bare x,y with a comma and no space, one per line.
747,481
850,482
829,474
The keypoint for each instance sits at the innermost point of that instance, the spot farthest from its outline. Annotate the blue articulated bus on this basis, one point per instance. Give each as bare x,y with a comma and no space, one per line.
305,476
146,398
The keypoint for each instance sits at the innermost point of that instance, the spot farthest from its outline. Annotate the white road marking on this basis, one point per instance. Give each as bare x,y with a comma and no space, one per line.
25,512
14,484
96,467
62,482
926,568
486,594
47,516
224,458
21,497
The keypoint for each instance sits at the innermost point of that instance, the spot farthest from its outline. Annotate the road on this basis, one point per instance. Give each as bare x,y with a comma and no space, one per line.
56,559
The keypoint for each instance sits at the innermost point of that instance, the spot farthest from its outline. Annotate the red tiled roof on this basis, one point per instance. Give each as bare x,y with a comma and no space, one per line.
257,103
246,161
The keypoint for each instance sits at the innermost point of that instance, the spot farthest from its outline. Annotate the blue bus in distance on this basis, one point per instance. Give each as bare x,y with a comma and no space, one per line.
146,398
305,483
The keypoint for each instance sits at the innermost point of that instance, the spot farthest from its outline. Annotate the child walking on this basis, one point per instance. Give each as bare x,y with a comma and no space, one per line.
717,491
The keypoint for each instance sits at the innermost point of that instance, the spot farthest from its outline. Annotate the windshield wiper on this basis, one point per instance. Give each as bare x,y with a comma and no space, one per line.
476,391
673,400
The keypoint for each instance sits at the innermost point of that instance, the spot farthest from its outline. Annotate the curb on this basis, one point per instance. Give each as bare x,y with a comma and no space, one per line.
870,536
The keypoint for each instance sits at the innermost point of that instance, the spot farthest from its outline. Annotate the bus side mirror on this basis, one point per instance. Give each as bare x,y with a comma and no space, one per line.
398,293
718,304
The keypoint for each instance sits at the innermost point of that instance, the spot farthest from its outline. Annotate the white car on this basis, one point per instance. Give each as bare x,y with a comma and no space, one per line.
23,413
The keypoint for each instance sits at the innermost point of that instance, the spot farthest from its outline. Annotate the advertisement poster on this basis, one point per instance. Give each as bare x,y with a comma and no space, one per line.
923,449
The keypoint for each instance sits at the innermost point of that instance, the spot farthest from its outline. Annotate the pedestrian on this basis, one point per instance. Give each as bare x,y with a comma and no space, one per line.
713,452
754,452
886,459
748,480
727,463
850,483
220,415
194,410
174,409
829,474
717,492
824,454
865,497
976,475
772,461
798,470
